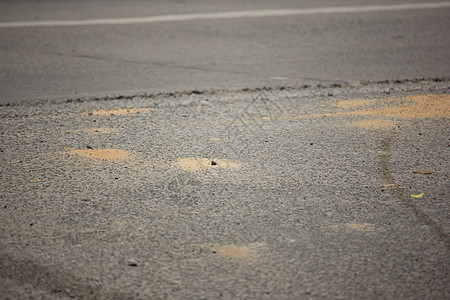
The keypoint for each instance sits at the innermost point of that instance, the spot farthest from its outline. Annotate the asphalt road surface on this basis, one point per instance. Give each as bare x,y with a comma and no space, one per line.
54,62
201,150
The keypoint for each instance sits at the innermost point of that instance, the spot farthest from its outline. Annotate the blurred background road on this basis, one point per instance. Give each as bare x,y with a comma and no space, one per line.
57,62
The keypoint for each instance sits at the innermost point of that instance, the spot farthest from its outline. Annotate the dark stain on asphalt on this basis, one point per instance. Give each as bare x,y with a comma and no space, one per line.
397,191
53,281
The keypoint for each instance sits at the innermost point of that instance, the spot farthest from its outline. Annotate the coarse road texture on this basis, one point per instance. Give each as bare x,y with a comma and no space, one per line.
316,192
224,149
58,62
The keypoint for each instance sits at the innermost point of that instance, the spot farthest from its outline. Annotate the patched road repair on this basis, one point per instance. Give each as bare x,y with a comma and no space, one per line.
319,191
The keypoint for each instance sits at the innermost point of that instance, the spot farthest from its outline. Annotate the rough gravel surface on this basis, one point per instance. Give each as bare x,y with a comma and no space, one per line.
310,195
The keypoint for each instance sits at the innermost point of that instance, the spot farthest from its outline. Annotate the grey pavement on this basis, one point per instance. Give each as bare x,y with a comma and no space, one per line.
278,157
40,63
313,193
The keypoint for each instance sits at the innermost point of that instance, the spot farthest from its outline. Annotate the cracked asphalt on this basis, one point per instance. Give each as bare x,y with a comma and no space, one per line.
201,149
315,193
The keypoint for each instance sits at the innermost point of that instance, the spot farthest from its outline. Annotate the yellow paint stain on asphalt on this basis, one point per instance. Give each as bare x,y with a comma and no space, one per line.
112,155
120,111
195,164
353,103
234,251
421,106
410,107
373,124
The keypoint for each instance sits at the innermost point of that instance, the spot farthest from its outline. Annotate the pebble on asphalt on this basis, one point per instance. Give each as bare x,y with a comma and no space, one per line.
132,262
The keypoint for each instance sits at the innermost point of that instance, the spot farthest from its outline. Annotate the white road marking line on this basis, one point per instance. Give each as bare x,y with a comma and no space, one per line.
229,15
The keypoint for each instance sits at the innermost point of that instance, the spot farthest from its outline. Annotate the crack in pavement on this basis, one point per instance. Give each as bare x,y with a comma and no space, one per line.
404,200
